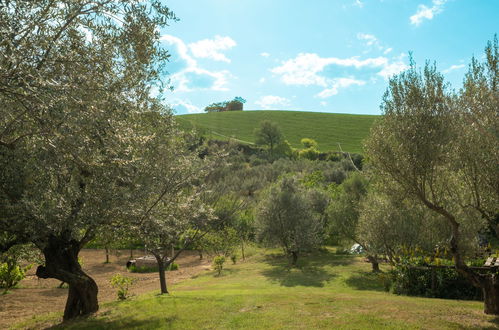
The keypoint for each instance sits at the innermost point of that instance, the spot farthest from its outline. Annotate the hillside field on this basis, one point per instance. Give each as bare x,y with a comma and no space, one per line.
328,129
326,291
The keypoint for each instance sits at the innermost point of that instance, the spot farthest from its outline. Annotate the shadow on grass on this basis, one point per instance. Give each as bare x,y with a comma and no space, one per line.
310,269
123,323
495,322
365,281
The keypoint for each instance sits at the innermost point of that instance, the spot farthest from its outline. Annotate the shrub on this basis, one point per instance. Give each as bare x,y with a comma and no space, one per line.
386,280
122,283
11,274
444,283
334,157
142,269
218,264
150,269
233,258
308,143
309,153
172,266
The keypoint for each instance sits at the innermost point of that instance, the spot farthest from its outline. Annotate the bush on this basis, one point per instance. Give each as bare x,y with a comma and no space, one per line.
444,283
218,264
142,269
11,274
233,258
122,283
310,153
308,143
172,266
151,269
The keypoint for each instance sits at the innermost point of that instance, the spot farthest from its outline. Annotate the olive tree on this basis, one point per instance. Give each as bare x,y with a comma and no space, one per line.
285,217
268,134
390,224
74,75
344,211
443,149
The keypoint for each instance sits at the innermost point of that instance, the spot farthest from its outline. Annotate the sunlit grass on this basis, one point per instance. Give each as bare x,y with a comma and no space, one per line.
326,291
327,129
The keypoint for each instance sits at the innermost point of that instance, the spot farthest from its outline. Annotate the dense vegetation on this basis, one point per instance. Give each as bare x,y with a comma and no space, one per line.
88,156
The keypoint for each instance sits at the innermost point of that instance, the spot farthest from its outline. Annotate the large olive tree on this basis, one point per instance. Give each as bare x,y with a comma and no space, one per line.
74,74
443,149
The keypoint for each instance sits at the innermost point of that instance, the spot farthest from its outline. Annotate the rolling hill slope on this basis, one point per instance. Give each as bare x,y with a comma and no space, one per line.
328,129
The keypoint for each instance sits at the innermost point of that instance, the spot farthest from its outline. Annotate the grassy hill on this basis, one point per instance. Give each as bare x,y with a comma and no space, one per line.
328,129
327,291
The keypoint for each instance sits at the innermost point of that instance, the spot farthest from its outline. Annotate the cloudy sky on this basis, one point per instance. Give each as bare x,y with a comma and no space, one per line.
315,55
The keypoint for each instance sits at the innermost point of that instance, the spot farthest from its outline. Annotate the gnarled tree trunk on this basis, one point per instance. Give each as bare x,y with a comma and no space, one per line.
490,289
61,262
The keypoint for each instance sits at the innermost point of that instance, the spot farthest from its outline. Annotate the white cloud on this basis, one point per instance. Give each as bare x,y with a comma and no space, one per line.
428,13
454,67
195,78
264,54
185,73
337,84
323,103
358,3
308,69
211,48
371,41
185,106
304,69
272,102
369,38
262,80
392,69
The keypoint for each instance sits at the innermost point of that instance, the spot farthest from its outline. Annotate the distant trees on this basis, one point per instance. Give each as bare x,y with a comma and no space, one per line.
235,104
442,150
268,134
344,213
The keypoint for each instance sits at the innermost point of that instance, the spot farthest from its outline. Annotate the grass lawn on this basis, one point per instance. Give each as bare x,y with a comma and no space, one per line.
328,129
327,291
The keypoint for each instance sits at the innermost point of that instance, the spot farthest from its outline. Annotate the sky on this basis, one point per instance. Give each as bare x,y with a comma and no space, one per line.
315,55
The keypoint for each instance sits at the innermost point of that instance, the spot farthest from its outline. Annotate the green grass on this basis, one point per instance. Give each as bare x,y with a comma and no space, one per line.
327,129
327,291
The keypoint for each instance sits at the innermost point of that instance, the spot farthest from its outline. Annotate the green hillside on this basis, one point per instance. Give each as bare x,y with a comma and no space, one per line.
328,129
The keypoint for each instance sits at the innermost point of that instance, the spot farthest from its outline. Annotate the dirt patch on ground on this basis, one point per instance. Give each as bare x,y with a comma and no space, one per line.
38,296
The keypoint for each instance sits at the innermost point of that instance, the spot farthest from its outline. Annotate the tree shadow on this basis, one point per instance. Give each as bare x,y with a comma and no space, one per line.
122,323
310,270
494,322
366,281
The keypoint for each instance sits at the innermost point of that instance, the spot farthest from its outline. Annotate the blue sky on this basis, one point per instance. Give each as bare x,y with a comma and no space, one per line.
315,55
